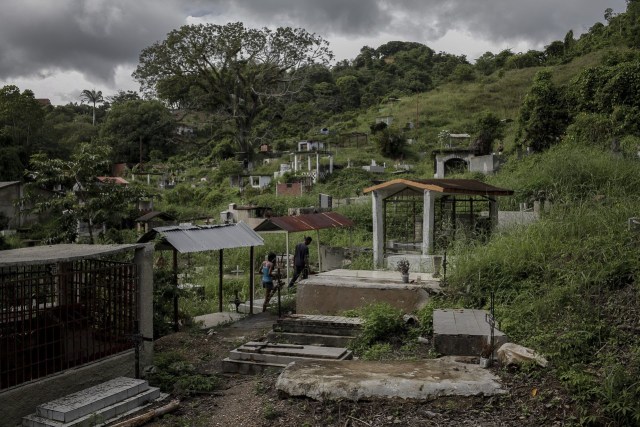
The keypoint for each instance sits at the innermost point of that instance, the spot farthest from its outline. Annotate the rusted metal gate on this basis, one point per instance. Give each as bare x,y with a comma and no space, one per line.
58,316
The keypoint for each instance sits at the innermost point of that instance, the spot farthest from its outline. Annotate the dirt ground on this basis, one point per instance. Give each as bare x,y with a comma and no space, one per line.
533,398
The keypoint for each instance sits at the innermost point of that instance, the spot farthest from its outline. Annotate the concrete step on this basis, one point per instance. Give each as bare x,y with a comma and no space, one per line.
100,416
463,332
310,339
90,400
317,324
249,367
284,354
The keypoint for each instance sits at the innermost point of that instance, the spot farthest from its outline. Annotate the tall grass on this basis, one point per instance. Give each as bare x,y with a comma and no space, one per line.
566,285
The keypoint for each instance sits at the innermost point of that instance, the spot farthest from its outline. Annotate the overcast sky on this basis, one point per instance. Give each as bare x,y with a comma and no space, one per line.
57,48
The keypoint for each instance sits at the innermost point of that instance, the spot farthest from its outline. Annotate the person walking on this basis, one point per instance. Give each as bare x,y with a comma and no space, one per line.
301,260
267,278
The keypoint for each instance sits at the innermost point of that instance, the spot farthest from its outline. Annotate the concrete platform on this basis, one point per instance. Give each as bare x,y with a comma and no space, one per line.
95,405
215,319
319,324
335,291
309,329
245,307
362,380
90,400
274,355
463,332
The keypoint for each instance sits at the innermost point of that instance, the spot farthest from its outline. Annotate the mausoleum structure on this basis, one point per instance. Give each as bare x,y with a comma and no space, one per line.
420,217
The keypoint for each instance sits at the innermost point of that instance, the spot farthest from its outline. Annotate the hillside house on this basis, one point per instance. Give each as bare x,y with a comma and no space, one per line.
250,215
254,181
310,146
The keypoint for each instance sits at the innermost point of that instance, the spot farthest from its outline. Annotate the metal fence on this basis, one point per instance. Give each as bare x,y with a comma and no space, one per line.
58,316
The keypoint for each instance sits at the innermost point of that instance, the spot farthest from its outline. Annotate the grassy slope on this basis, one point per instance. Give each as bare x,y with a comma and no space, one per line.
565,286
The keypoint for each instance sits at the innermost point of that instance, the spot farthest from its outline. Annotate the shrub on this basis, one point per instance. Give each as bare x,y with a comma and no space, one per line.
381,322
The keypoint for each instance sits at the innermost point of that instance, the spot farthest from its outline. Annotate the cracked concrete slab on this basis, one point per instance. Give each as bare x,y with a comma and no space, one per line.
367,380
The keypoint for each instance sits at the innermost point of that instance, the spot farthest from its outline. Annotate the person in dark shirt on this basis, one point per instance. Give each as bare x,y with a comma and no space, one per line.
301,260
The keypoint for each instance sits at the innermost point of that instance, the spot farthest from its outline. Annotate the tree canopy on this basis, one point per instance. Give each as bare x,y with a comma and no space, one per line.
81,195
231,70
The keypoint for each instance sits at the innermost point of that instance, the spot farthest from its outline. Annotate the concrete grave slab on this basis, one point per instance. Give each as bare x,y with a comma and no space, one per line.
463,332
262,354
76,405
308,329
333,292
214,319
366,380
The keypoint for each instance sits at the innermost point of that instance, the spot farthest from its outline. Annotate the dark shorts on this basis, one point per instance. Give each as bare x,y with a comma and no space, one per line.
267,285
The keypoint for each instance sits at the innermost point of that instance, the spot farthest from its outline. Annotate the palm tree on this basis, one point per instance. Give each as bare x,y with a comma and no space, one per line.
93,97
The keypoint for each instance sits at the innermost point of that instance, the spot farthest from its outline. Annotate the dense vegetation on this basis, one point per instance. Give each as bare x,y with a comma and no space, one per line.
565,286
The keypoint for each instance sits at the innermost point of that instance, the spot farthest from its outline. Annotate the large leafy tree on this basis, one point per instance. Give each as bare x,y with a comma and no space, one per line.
79,195
230,70
543,116
94,97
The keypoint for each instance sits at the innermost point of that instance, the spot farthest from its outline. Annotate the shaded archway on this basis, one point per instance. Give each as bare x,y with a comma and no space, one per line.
455,165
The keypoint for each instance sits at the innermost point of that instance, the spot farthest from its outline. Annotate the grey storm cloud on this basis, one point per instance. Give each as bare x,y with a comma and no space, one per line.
536,21
42,37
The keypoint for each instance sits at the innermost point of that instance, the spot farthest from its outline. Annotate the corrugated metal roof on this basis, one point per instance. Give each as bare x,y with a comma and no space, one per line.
305,222
200,238
113,179
155,214
8,183
59,253
469,187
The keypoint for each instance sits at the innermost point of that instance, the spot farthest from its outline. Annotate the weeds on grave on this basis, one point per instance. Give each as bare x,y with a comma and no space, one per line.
380,323
378,351
174,375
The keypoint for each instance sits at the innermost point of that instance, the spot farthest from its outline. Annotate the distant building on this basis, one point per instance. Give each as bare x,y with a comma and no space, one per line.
459,160
184,130
387,120
12,207
254,181
251,215
310,146
154,219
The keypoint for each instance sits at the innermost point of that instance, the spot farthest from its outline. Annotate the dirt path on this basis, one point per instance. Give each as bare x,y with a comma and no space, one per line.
534,398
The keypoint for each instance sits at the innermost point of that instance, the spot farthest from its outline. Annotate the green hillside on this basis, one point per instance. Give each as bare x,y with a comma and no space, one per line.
567,117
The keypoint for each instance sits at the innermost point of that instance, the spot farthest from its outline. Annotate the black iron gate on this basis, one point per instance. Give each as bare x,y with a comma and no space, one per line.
58,316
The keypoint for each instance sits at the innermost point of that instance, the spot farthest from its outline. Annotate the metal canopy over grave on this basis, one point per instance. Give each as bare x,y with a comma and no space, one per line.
305,222
200,238
401,219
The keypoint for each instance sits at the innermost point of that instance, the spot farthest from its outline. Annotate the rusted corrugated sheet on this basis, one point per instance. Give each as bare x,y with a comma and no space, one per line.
197,238
470,187
305,222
